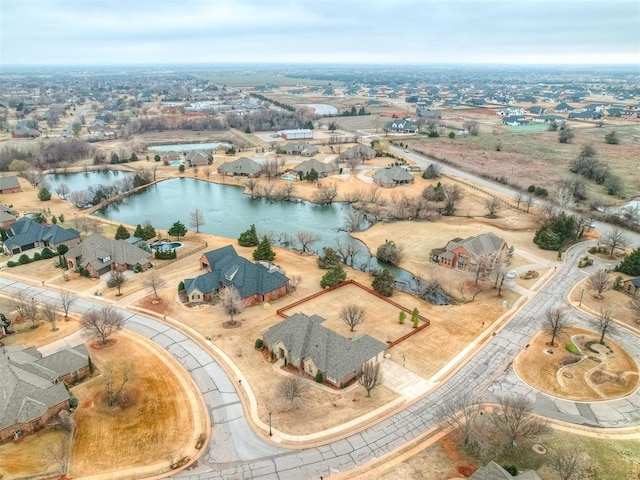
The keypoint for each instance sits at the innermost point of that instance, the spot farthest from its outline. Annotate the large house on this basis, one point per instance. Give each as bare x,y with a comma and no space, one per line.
99,255
298,148
361,152
243,166
9,185
322,168
33,387
25,234
392,177
402,126
511,111
255,282
198,158
302,341
465,254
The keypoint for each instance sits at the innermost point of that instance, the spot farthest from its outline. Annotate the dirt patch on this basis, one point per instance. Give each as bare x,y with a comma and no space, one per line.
111,342
156,427
586,376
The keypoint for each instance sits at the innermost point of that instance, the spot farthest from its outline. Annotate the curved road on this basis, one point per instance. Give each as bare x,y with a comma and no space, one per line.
235,451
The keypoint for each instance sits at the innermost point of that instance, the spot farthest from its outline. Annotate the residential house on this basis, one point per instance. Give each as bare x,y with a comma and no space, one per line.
171,156
402,126
515,121
564,107
585,115
537,110
25,234
548,118
392,177
465,254
511,111
359,151
243,167
99,255
323,169
7,216
9,185
302,341
33,387
298,148
24,132
198,158
632,286
493,471
255,282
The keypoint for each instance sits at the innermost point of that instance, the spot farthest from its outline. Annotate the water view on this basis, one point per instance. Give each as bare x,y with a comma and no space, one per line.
83,180
187,147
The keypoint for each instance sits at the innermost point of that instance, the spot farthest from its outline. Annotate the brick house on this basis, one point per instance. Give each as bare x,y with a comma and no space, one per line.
9,185
631,286
33,387
99,255
302,341
464,254
392,177
256,282
7,216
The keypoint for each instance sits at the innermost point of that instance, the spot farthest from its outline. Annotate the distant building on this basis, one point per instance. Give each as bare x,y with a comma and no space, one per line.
299,134
402,126
298,148
9,185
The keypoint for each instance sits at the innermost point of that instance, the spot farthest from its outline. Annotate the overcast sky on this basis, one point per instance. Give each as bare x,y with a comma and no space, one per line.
79,32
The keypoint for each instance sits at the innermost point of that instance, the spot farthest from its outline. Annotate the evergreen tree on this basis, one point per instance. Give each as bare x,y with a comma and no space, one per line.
264,251
383,282
631,264
333,276
122,233
329,258
353,112
249,238
148,232
177,230
138,232
44,194
362,111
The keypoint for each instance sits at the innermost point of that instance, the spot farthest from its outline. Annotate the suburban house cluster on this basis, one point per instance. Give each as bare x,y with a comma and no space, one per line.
466,254
303,342
33,387
99,254
25,234
256,282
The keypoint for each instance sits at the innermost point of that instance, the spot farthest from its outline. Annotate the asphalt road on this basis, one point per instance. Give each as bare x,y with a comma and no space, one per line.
235,451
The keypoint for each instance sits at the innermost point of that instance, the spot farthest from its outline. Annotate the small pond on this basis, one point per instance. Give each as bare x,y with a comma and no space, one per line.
187,147
322,108
83,180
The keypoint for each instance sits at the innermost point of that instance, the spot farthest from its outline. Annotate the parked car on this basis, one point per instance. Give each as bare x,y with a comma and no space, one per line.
511,274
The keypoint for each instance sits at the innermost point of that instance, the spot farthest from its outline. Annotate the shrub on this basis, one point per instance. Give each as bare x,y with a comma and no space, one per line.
572,348
47,253
512,469
452,135
37,256
181,286
531,189
319,377
73,402
137,268
259,344
24,259
166,254
11,264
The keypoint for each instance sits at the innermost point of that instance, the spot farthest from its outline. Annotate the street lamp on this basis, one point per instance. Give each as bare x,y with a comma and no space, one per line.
270,434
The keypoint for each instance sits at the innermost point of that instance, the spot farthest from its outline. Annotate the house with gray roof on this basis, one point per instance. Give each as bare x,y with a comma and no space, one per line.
465,254
256,282
9,185
493,471
198,158
359,151
402,126
7,216
243,166
302,341
322,168
25,234
631,286
99,255
392,177
33,388
298,148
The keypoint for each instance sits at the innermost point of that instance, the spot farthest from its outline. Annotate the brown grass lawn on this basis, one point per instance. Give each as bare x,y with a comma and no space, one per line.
29,457
158,425
43,335
582,381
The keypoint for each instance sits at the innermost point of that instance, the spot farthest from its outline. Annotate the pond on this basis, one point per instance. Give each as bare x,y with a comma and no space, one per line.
187,147
83,180
322,108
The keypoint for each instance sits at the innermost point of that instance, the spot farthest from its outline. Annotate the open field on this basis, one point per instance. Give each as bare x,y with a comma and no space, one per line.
34,455
156,426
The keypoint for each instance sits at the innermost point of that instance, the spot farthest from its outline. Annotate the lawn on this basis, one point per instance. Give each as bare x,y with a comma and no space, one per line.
35,455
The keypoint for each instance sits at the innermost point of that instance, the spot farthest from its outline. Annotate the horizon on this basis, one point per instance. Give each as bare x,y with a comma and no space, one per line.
299,32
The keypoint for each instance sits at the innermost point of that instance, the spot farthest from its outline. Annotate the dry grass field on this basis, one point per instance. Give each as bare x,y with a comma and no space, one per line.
155,427
35,455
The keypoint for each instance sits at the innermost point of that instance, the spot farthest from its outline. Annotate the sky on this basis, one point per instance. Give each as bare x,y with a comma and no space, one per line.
424,32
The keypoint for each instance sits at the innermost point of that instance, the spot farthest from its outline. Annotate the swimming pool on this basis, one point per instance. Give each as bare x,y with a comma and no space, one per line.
176,163
166,245
291,178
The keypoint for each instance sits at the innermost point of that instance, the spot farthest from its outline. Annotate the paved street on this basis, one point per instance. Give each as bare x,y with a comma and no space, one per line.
236,452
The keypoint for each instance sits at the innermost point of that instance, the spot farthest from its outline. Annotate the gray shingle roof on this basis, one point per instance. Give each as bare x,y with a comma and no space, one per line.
480,245
320,167
392,175
9,182
97,250
25,232
241,166
305,337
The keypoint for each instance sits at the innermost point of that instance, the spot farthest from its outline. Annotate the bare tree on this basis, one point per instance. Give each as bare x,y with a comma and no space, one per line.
115,378
66,300
306,239
515,421
292,389
519,198
615,238
207,172
471,126
102,323
196,219
154,282
461,413
49,312
348,251
80,198
326,194
555,321
116,280
352,315
493,205
354,220
452,195
67,422
390,252
369,376
604,322
56,451
568,462
26,308
250,185
564,197
635,306
270,169
600,282
288,190
529,202
62,190
231,302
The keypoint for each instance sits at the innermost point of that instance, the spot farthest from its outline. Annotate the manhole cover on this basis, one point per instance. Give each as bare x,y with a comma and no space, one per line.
539,449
